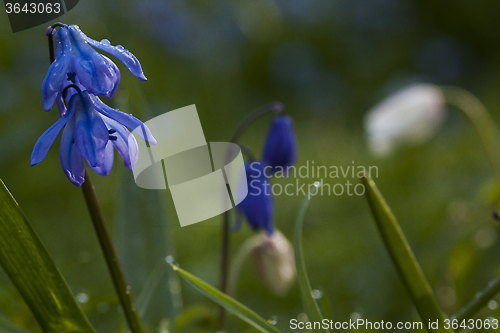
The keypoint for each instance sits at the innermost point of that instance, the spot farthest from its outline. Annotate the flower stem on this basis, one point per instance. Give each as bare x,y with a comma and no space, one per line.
276,107
480,118
120,283
115,269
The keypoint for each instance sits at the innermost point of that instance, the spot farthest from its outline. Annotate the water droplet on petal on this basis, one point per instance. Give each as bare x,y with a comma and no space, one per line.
120,48
82,298
105,42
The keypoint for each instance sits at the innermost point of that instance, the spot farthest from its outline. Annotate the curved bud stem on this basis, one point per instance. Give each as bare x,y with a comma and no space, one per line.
481,119
278,108
74,86
50,34
247,152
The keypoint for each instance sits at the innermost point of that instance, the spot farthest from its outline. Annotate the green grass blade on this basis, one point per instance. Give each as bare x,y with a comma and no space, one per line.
229,303
310,305
403,258
34,274
479,301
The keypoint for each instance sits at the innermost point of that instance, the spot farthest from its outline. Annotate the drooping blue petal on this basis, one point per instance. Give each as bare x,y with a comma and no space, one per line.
123,141
107,165
91,67
123,118
258,206
46,140
91,134
60,104
71,159
112,65
280,147
57,71
125,56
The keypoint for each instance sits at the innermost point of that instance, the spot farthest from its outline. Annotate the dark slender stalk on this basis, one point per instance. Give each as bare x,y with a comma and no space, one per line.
247,152
120,283
224,263
276,107
115,269
50,35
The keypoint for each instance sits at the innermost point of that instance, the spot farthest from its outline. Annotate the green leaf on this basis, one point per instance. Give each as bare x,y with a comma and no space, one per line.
403,258
479,301
229,303
310,305
34,274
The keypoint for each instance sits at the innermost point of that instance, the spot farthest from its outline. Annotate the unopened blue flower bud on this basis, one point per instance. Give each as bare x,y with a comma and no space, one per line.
280,147
258,206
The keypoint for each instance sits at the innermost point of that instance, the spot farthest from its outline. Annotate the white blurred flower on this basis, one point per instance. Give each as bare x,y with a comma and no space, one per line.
274,262
409,116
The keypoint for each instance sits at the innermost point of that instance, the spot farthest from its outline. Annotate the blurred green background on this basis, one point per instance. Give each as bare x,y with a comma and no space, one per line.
328,62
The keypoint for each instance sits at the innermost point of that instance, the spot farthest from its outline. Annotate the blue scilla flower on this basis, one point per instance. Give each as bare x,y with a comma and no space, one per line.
280,147
258,206
77,62
91,131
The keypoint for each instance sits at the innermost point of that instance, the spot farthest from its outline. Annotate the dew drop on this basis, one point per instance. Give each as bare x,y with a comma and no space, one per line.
105,42
103,307
302,317
355,316
317,294
120,48
169,259
317,183
273,320
492,305
82,298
